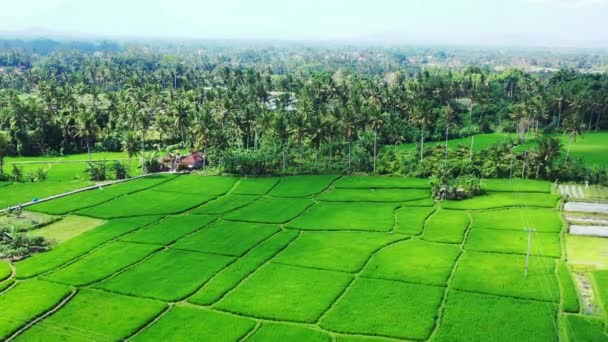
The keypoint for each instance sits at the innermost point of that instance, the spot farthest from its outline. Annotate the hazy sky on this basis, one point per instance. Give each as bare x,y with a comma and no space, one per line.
503,22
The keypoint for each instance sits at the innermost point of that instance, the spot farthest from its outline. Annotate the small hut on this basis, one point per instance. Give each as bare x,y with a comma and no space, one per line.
193,161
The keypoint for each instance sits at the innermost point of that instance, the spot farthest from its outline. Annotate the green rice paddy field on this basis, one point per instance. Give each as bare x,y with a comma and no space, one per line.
590,146
302,258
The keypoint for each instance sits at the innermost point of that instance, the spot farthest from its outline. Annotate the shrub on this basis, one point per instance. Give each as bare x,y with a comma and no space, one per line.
457,188
16,245
17,173
121,171
96,171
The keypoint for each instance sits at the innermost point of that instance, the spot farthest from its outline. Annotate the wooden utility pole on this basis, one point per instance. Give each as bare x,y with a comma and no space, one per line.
529,231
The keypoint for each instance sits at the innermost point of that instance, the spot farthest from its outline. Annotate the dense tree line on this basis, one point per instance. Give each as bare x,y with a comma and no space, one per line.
262,114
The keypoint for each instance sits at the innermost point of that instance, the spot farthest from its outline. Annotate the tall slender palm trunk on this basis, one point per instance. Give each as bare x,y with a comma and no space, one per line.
421,144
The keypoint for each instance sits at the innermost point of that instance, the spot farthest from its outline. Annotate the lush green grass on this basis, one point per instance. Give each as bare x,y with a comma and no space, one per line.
149,202
359,338
79,245
95,315
414,261
26,301
199,185
591,147
347,216
184,323
67,228
386,308
255,186
5,270
286,293
83,157
517,185
225,204
301,186
169,229
543,220
480,141
339,251
17,193
101,263
410,220
65,172
587,251
379,182
511,241
581,328
233,274
102,194
570,302
26,220
504,199
601,282
169,275
477,317
446,226
374,195
503,274
277,332
270,210
227,238
5,284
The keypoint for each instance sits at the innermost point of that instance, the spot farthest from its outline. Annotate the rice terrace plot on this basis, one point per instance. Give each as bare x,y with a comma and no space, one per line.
299,258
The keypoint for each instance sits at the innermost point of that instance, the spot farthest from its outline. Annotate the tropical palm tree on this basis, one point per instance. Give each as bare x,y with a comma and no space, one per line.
130,145
86,127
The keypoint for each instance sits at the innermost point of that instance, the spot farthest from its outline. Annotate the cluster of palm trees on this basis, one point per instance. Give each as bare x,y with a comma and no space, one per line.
130,103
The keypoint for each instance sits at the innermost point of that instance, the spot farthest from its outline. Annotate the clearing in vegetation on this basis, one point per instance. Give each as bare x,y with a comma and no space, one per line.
502,274
414,261
95,315
386,308
446,226
373,195
168,275
286,293
227,238
225,204
185,323
301,186
67,228
256,186
347,216
338,251
477,317
271,210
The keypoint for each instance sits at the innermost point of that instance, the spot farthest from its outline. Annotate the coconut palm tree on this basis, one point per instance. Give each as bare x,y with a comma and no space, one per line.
86,127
